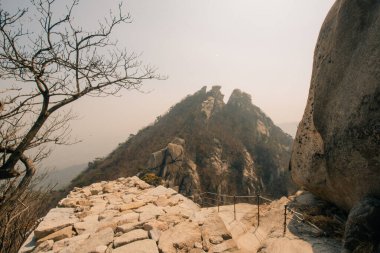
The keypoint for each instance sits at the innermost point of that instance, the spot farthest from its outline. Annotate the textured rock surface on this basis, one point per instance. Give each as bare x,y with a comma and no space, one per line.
204,144
336,150
363,227
125,215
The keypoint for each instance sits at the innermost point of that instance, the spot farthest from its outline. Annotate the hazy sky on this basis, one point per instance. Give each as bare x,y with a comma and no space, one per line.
264,48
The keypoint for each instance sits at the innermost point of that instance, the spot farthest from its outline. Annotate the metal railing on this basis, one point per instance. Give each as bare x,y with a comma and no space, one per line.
299,217
211,199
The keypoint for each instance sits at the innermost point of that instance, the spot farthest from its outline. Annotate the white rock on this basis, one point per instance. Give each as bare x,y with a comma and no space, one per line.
149,211
180,238
142,246
56,219
134,235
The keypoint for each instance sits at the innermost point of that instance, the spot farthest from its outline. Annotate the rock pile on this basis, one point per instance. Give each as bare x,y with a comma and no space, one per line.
128,215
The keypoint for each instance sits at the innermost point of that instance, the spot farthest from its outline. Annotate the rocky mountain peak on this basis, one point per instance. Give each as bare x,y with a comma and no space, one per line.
213,103
235,149
240,99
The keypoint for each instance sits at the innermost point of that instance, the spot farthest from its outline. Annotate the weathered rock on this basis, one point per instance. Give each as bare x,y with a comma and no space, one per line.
134,235
102,226
149,211
225,246
66,232
100,249
143,246
131,206
363,227
336,151
56,219
70,244
101,238
214,232
44,246
129,227
179,238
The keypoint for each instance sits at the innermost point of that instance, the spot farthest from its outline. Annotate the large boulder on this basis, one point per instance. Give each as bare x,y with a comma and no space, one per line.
336,151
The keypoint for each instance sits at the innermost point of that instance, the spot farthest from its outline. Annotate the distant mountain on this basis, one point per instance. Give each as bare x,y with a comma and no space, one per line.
289,127
61,178
203,144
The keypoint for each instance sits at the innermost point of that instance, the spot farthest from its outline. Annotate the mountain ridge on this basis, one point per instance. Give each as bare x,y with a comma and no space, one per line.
235,140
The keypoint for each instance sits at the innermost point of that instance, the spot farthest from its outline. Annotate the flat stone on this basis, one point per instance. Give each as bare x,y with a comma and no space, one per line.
127,218
102,238
149,211
131,206
66,232
224,246
160,191
129,227
100,249
142,246
134,235
155,224
56,219
161,201
108,214
69,244
214,231
180,238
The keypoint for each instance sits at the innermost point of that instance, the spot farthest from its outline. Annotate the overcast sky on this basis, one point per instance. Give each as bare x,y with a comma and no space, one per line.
263,47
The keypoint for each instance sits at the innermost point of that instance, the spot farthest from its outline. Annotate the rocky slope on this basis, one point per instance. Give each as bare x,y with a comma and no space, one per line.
204,144
128,215
336,151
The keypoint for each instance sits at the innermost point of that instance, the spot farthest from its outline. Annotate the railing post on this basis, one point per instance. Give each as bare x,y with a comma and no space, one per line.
234,207
258,209
217,201
286,206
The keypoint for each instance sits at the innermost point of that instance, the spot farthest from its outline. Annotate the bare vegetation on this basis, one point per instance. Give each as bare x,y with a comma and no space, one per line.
49,62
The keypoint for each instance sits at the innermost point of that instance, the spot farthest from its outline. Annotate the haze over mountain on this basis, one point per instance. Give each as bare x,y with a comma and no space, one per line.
204,144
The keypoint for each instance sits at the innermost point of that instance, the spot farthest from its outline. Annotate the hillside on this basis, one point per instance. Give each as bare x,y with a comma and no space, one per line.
204,144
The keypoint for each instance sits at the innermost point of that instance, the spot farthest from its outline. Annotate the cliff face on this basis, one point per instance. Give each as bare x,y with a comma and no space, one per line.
336,151
204,144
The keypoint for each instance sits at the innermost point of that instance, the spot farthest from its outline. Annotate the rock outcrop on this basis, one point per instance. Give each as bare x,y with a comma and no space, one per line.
128,215
204,144
336,151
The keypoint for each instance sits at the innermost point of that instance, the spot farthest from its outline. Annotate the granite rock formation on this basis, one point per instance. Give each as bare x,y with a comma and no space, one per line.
204,144
336,151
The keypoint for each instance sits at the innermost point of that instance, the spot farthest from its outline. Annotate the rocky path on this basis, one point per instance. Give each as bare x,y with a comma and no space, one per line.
268,237
128,215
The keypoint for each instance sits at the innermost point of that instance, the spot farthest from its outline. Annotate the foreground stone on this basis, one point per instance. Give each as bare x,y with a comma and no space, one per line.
144,246
126,215
336,150
56,219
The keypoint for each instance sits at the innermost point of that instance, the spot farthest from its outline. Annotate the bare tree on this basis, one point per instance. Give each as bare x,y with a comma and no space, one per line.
50,68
